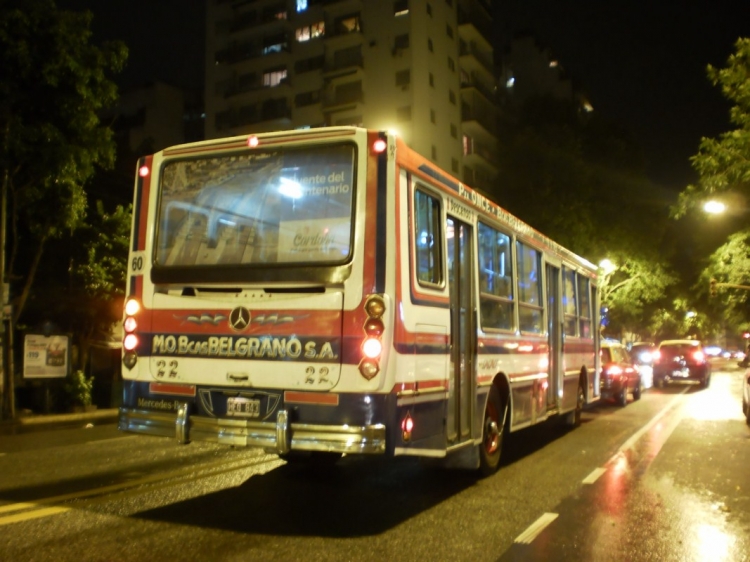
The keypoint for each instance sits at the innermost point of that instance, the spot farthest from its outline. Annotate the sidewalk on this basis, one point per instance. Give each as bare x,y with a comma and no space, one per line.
34,422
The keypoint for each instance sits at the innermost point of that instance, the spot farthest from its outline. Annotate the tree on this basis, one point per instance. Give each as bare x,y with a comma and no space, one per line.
54,83
581,180
730,264
723,164
723,167
629,290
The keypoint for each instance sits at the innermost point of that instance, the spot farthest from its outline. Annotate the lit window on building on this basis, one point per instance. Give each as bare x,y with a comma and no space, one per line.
274,77
349,24
301,5
468,143
308,32
401,8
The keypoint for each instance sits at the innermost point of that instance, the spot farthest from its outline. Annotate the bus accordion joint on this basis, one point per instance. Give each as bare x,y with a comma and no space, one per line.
372,347
130,339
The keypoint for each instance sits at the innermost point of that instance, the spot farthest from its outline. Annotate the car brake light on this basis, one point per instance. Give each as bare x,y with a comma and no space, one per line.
699,356
656,356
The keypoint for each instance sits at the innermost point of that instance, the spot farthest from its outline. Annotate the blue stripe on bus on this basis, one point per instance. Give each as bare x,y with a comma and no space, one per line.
439,177
380,240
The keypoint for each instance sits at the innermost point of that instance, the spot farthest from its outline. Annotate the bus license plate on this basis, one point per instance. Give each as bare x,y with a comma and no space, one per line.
244,407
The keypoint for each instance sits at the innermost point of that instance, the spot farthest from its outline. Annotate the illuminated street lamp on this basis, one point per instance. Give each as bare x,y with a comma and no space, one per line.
607,266
714,207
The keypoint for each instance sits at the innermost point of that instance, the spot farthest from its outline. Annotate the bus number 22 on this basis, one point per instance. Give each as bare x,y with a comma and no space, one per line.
161,369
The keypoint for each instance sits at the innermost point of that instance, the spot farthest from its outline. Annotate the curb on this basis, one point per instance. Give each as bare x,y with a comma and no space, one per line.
50,419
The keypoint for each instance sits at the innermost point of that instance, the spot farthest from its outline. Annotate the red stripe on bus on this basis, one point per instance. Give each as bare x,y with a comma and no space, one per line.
311,398
145,194
167,388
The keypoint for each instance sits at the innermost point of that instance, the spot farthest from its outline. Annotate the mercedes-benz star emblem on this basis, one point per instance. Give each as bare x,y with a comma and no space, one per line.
239,318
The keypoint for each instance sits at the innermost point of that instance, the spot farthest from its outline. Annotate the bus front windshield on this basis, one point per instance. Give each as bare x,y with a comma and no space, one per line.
283,206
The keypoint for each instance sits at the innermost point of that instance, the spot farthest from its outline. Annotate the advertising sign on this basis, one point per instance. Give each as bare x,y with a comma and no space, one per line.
45,357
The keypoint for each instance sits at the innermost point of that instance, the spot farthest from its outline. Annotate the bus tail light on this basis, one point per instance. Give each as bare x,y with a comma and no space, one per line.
372,346
130,340
407,426
379,146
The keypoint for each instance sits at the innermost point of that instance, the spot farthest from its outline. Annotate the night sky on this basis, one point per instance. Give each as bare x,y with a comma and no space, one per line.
642,62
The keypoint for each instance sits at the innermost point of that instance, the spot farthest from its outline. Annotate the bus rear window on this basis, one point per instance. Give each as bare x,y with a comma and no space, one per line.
291,206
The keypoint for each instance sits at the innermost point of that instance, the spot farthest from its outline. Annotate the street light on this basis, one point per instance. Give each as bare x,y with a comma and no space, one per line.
607,266
714,207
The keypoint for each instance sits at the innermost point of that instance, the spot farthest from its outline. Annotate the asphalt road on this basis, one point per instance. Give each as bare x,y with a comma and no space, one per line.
665,478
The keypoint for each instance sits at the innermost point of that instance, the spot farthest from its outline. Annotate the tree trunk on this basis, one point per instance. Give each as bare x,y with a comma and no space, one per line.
21,302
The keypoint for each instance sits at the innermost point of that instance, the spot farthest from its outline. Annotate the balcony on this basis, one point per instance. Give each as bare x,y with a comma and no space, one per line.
473,58
340,101
248,51
344,66
277,110
480,157
474,82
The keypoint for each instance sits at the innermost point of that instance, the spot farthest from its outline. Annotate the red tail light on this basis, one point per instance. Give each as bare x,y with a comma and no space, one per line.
699,356
130,325
372,346
656,356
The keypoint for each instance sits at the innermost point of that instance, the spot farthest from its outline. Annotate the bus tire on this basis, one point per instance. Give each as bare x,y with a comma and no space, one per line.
492,433
574,417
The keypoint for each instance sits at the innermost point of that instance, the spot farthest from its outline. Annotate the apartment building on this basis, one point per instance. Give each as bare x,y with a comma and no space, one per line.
421,68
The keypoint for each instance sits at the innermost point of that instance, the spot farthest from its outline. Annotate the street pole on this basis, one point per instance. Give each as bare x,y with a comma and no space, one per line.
9,402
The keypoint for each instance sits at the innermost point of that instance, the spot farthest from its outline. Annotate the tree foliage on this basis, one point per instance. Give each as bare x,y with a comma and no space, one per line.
54,83
730,264
630,291
723,167
581,180
723,163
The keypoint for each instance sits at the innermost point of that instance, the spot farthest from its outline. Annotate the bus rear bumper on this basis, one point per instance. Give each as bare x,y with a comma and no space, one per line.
279,436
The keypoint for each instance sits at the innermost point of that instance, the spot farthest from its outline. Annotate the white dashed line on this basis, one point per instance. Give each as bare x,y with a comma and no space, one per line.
536,527
594,476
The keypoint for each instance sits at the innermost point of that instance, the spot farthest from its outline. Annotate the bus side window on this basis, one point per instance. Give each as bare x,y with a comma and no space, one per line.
495,274
570,307
584,307
530,305
428,239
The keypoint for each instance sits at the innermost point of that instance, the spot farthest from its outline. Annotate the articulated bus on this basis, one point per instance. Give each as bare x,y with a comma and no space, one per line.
330,291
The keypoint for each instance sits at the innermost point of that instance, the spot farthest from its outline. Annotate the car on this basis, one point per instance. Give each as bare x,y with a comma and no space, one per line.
642,354
681,361
619,375
746,396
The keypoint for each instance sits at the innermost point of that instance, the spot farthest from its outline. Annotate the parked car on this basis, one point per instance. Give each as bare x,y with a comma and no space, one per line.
642,354
746,396
681,361
619,375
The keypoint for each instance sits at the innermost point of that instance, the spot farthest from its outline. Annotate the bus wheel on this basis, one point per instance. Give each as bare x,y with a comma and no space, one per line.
574,417
492,434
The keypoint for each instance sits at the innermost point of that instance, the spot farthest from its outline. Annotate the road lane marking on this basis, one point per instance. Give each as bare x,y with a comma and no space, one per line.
535,528
594,476
112,439
36,514
638,434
